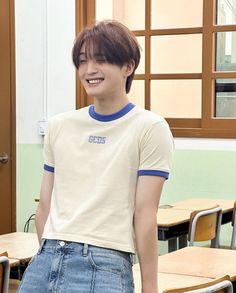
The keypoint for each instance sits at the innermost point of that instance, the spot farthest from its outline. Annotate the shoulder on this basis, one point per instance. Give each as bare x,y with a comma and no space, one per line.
67,117
147,117
64,122
149,120
154,131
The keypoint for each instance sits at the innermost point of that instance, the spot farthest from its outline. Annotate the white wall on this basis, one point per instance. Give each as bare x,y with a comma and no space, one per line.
45,32
205,144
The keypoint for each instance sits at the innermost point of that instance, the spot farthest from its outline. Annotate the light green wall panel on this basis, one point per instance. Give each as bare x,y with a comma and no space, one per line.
201,174
29,172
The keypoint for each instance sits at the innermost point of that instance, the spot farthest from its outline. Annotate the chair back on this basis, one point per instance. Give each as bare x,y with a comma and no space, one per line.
205,225
4,273
220,285
234,227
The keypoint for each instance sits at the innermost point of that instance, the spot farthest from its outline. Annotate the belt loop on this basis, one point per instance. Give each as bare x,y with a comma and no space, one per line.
132,258
85,250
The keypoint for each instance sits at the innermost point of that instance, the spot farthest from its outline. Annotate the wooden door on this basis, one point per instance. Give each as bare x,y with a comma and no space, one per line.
7,118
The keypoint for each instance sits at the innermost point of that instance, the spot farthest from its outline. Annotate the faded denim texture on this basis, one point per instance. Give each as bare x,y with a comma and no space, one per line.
69,267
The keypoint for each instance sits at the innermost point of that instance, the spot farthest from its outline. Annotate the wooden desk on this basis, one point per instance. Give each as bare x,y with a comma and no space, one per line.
168,281
19,245
200,262
202,203
173,219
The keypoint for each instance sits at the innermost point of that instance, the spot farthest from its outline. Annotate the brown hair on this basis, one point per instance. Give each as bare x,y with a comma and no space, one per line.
111,39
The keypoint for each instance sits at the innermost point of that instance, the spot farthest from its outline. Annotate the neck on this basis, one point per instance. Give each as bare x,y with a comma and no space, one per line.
110,106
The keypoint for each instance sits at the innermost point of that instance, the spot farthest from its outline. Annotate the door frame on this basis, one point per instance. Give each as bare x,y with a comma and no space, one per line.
13,113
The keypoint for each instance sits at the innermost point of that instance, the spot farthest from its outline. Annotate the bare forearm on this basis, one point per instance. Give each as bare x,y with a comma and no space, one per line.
44,202
40,220
146,241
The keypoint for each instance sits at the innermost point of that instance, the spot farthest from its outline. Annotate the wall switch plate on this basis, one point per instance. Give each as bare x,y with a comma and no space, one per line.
42,127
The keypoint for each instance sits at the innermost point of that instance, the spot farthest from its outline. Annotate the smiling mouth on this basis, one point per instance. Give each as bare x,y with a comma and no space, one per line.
95,80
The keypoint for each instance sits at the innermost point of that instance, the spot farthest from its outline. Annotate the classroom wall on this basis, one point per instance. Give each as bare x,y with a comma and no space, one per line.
45,85
202,168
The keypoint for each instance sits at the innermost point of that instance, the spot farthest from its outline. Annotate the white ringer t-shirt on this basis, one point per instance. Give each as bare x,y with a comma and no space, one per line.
96,160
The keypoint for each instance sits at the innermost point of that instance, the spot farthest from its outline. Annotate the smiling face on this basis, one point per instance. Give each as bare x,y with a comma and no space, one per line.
100,78
113,48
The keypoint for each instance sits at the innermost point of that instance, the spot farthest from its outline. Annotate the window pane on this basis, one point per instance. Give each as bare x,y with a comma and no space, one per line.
137,92
226,51
176,13
104,9
176,54
123,11
176,98
141,67
225,97
226,12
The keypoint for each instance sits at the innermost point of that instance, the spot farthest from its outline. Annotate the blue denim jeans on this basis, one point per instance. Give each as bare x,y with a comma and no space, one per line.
69,267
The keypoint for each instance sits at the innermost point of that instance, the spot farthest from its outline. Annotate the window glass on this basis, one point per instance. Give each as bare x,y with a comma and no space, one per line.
176,98
226,51
226,12
176,54
176,13
137,92
225,92
131,13
104,9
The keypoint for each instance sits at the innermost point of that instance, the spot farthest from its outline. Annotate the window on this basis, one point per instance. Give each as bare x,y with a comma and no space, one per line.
188,66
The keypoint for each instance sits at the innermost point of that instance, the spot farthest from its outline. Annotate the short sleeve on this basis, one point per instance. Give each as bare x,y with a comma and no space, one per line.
47,151
156,150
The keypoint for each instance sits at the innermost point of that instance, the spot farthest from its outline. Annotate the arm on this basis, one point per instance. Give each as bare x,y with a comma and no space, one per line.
44,202
145,224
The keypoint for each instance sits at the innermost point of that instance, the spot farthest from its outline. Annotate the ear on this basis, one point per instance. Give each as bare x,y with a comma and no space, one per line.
129,67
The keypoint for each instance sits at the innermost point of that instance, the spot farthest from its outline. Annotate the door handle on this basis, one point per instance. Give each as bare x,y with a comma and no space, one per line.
4,158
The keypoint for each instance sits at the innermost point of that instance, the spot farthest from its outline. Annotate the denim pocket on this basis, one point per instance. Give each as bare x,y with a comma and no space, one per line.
107,262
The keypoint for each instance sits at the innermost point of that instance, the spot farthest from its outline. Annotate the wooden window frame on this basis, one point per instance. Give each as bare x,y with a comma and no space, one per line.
206,126
85,15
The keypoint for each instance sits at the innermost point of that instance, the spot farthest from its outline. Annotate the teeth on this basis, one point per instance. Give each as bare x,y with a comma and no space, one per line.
94,81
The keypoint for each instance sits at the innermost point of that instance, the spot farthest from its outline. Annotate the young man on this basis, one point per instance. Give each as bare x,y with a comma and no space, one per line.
105,166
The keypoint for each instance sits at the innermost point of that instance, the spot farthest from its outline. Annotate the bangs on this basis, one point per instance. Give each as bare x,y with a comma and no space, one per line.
95,44
94,47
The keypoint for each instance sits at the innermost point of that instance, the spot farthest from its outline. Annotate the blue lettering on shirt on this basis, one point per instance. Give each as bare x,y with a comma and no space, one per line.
97,139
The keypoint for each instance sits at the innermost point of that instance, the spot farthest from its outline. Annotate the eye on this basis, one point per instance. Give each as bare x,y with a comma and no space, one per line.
101,59
82,61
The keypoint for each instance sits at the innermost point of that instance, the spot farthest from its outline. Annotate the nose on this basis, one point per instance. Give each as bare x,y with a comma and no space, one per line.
91,67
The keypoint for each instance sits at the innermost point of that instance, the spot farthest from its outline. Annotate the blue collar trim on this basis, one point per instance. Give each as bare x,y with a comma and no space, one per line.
107,118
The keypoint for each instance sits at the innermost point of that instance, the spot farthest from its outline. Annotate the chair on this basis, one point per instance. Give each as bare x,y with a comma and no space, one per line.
234,227
27,223
205,225
4,273
220,285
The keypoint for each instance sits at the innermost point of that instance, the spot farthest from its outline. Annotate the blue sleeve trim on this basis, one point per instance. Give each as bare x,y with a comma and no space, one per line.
153,173
48,168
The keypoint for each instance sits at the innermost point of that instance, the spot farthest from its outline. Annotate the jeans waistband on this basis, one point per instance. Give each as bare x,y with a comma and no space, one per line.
82,248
